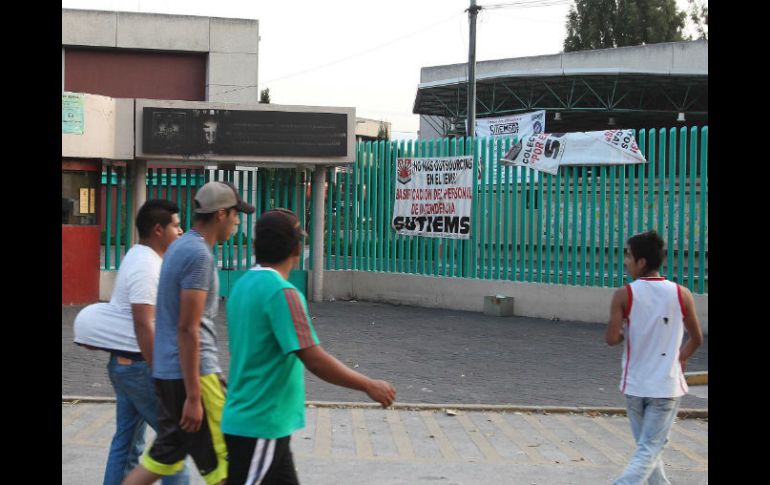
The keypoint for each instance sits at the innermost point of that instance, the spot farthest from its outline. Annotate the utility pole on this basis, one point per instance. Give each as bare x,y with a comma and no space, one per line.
472,11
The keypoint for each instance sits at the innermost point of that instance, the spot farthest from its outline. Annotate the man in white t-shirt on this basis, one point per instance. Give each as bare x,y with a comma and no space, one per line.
656,313
125,327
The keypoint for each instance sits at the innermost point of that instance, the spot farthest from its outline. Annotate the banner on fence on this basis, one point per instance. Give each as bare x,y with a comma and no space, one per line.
522,125
433,197
548,151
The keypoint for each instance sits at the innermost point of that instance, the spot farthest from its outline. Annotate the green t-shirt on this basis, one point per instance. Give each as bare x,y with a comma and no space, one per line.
267,321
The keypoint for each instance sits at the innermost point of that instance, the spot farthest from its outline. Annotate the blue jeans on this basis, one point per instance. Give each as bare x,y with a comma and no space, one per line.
651,419
135,408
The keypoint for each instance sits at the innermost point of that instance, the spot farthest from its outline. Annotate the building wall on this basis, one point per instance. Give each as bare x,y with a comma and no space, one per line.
134,74
107,130
227,47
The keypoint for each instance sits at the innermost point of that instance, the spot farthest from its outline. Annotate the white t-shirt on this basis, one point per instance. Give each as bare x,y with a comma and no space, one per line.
111,325
653,334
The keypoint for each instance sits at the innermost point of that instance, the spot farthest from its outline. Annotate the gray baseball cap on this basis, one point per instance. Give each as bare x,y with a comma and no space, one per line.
220,195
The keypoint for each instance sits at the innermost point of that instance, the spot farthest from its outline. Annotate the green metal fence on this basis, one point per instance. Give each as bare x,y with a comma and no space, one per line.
263,188
529,226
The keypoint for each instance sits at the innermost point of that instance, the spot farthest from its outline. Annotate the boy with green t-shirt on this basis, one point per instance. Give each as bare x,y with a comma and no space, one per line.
271,338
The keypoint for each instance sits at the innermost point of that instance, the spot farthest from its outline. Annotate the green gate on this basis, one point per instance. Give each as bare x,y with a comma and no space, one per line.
533,227
265,188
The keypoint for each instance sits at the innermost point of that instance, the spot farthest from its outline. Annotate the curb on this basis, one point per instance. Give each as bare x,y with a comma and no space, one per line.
697,378
499,408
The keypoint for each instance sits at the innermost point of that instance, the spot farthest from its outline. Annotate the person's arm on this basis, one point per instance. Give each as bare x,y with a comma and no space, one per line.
328,368
614,333
191,305
692,325
144,316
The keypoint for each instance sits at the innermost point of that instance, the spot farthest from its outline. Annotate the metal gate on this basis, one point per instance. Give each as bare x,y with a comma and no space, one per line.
265,188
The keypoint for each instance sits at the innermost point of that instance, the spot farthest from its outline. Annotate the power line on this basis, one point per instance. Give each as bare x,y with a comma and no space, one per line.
398,39
527,4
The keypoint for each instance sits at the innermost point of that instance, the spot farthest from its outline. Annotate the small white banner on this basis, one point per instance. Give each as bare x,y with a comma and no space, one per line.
434,197
520,126
548,151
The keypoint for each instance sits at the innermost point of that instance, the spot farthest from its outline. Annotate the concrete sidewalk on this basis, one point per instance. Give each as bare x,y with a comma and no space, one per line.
375,446
435,356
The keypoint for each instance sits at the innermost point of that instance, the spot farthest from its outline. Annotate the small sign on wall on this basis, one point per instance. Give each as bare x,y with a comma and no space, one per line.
72,113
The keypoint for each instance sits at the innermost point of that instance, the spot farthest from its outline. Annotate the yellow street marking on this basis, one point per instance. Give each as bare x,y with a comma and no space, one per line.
611,454
443,443
517,438
571,453
477,436
73,413
361,434
403,444
323,433
102,418
691,434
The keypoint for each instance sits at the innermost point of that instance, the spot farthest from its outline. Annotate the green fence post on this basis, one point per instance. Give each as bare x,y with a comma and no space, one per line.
621,223
653,135
661,201
575,215
557,243
702,244
129,203
108,218
505,265
692,188
483,217
471,245
376,220
382,218
641,174
583,216
118,213
602,213
682,169
498,196
548,226
672,156
329,215
530,225
611,229
592,238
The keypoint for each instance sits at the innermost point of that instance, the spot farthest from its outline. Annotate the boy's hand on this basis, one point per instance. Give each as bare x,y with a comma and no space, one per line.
381,391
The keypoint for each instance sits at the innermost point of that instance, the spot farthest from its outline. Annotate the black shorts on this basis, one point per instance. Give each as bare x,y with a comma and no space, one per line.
206,446
258,461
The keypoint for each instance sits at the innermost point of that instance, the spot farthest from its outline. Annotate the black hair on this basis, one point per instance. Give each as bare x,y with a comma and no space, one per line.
209,216
276,235
154,211
647,245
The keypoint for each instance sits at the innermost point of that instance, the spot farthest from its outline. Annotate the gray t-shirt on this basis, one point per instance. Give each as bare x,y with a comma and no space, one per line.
187,264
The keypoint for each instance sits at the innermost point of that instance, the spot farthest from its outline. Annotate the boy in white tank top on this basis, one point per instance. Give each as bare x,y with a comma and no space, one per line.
649,317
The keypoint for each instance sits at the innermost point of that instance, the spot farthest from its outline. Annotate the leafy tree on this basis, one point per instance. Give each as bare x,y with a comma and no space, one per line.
699,17
602,24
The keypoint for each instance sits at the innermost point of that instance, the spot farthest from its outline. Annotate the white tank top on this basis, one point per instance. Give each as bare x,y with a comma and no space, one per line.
653,336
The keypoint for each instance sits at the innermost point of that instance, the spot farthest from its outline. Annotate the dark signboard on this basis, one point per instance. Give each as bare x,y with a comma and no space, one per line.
174,131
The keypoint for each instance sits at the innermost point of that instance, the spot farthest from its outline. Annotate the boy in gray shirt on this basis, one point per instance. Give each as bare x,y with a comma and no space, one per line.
185,369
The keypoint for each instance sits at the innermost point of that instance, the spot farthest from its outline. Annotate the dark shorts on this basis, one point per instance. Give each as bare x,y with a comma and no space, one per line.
206,446
258,461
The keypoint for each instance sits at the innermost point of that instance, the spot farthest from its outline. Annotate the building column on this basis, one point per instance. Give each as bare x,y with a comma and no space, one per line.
319,187
139,193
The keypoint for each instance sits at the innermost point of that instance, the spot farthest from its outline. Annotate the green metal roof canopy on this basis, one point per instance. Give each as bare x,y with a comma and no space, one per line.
640,87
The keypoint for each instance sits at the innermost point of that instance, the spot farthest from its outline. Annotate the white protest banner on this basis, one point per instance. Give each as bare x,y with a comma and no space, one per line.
522,125
548,151
433,197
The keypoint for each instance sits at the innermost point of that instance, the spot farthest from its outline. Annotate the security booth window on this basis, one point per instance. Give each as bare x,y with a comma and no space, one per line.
79,192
